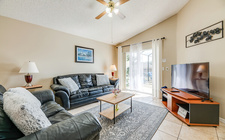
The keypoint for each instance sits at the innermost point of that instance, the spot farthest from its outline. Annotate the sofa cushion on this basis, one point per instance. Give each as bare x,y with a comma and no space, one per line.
80,93
1,99
104,86
107,89
26,115
7,129
76,79
60,116
102,80
85,80
95,92
51,108
69,83
94,81
2,89
94,88
110,86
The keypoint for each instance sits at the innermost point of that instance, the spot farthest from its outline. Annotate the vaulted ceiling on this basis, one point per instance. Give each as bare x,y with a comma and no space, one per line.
77,17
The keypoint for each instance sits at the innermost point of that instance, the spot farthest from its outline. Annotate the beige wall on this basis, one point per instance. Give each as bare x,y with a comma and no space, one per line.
198,14
53,52
165,29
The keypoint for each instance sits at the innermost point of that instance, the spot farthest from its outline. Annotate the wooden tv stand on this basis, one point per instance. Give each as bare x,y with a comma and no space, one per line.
199,113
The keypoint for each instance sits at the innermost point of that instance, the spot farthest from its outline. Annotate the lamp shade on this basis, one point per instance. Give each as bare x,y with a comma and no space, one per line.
113,68
29,67
201,68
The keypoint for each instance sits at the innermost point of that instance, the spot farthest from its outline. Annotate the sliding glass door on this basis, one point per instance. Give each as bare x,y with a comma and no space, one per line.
146,86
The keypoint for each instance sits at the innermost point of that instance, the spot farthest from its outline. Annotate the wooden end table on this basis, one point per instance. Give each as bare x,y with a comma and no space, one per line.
32,87
111,113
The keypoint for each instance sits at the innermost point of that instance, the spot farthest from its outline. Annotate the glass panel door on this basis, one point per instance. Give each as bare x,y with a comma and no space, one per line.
147,69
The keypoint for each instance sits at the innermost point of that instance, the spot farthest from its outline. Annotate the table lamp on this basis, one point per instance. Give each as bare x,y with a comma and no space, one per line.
113,69
29,67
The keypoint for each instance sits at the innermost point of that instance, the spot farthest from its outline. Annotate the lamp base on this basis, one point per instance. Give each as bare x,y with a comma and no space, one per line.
28,79
28,85
113,74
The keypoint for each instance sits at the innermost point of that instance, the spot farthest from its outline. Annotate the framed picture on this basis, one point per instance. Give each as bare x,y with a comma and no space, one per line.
84,55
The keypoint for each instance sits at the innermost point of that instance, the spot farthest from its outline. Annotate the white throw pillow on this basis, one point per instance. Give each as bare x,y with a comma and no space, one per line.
69,83
24,113
102,80
23,92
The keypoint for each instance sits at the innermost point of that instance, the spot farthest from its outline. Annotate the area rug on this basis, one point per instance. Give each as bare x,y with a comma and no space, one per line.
140,124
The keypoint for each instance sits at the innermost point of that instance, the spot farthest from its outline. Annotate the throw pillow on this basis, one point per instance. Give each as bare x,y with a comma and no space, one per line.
102,80
25,114
85,80
23,92
76,80
70,84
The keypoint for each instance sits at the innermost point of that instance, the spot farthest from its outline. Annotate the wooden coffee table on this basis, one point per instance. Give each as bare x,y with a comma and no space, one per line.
111,113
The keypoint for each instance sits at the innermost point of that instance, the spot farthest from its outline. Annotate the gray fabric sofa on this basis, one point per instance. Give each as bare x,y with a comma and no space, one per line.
87,93
64,125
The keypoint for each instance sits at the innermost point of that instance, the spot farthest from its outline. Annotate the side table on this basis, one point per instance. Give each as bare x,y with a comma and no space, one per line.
32,87
114,81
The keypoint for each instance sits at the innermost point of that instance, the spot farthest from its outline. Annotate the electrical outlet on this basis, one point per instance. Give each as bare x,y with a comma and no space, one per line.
162,68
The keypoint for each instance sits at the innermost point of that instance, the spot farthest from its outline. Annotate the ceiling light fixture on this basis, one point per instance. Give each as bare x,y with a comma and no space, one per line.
111,8
117,4
110,14
108,10
116,11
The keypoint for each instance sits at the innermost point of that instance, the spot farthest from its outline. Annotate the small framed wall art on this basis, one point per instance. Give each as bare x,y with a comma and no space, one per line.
84,55
208,34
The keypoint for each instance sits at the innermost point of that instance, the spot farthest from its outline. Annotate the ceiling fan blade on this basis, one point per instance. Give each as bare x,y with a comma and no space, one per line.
121,2
103,2
122,16
100,15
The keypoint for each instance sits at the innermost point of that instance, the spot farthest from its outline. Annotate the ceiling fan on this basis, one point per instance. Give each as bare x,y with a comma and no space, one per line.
111,7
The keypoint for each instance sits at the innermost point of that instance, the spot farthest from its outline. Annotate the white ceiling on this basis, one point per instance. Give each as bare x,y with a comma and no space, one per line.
77,17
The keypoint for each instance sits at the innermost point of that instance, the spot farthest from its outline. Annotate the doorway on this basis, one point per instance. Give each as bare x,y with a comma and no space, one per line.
146,61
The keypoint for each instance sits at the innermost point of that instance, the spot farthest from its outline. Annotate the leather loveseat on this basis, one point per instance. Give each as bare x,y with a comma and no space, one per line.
87,93
64,126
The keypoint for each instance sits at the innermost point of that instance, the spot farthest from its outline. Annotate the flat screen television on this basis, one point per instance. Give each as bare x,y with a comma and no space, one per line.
192,78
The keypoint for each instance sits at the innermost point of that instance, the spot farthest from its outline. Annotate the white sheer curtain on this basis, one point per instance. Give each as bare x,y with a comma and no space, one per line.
156,67
120,67
135,67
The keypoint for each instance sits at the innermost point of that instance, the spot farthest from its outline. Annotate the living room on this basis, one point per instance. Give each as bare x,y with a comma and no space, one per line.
48,33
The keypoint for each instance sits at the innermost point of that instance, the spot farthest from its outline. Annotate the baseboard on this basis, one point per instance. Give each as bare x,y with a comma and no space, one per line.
222,120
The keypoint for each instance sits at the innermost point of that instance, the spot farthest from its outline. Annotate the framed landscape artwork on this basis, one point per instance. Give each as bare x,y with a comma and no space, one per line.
84,55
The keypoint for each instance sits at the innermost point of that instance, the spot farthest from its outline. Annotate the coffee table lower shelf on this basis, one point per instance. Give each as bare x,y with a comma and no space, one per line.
109,113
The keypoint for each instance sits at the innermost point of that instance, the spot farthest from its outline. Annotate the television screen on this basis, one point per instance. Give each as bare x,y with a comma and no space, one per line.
191,78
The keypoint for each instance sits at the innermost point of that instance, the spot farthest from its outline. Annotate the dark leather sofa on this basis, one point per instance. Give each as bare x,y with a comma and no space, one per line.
87,93
64,126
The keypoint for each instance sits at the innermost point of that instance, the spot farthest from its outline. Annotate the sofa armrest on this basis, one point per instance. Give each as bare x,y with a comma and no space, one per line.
80,127
56,87
114,82
44,95
64,98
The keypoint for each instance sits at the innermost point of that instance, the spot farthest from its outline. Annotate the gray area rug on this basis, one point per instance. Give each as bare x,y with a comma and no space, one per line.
140,124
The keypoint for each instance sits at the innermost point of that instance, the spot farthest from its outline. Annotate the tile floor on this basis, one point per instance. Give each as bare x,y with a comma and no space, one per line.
172,128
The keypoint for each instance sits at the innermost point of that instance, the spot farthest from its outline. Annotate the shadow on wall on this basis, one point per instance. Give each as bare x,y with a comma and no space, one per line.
45,82
106,69
9,71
